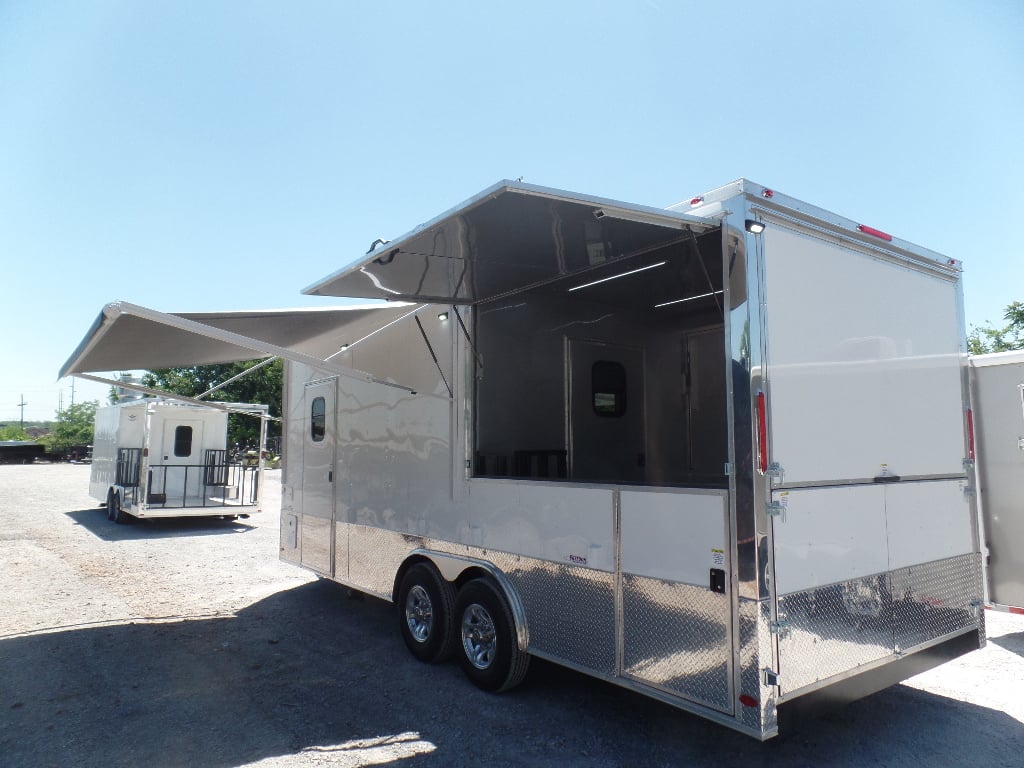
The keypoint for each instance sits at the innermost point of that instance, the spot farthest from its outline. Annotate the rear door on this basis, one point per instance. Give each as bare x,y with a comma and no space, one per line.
866,423
179,473
316,528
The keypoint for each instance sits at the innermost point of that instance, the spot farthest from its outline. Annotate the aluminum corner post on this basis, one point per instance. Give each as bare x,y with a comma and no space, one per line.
753,596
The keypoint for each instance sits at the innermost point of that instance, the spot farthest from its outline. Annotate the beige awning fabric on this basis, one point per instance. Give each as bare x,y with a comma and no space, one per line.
129,337
508,238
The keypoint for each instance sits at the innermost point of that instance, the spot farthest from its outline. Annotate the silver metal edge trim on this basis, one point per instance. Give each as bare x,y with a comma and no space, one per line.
868,666
868,481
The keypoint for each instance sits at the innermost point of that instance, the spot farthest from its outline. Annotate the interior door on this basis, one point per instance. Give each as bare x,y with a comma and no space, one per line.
316,529
607,419
179,475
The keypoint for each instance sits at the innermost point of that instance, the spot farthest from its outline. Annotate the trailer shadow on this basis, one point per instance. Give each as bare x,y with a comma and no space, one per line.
1013,643
306,672
94,520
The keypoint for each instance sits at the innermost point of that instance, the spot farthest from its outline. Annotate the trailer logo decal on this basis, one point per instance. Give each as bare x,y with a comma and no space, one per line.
577,559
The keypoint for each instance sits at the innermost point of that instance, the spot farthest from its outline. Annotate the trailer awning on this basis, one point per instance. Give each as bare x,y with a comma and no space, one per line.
129,337
509,237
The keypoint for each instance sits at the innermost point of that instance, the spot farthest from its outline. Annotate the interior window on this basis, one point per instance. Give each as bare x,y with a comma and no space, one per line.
608,388
183,441
318,420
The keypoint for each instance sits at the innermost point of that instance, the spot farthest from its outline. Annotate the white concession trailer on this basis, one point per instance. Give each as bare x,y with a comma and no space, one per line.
717,453
997,382
155,457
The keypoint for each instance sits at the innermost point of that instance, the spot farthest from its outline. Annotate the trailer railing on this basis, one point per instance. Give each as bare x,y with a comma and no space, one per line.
217,482
202,485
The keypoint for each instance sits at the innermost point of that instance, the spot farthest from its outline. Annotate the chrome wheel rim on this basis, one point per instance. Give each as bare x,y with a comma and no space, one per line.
419,614
478,636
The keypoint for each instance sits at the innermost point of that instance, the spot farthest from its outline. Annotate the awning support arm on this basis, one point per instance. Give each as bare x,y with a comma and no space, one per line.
430,349
238,376
472,346
233,408
704,267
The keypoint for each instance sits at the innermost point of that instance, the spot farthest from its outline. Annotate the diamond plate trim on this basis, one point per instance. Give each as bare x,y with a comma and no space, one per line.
570,610
934,600
676,637
833,630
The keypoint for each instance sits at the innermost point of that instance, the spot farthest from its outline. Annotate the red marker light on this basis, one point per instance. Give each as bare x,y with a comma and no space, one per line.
697,201
748,701
768,194
762,434
970,434
875,232
145,451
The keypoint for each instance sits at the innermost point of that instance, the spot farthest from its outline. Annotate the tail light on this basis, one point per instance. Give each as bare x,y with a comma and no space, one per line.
762,434
970,434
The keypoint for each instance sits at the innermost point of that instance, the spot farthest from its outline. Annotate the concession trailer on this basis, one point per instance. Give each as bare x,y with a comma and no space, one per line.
718,453
156,457
997,383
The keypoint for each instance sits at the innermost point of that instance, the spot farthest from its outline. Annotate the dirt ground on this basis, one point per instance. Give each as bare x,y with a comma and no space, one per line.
188,643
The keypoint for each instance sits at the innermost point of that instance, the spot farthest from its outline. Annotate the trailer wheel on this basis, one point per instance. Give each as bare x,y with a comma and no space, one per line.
426,614
114,511
490,657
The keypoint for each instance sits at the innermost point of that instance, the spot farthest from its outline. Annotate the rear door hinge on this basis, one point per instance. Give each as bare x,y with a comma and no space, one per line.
775,472
780,628
777,509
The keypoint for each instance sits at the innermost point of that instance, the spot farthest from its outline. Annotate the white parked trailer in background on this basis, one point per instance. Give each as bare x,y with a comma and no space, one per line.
718,454
154,457
998,394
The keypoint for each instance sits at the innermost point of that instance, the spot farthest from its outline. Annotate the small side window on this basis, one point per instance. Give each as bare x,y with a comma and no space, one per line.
318,420
183,441
608,388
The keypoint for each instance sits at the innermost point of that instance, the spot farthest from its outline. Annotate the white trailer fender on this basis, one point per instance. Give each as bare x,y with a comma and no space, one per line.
451,567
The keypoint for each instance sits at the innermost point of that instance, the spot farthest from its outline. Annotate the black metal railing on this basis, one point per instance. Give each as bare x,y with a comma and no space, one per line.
215,483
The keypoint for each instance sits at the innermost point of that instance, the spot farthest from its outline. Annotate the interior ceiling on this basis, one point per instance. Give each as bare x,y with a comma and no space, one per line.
682,276
506,240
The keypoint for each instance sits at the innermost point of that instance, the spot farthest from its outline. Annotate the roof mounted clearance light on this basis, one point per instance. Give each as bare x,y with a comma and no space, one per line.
688,298
616,277
875,232
768,194
696,201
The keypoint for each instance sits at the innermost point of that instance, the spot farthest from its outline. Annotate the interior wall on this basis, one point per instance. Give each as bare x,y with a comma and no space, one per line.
522,389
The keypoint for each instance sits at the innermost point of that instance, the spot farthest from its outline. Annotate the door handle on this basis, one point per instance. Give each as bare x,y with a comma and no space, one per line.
330,477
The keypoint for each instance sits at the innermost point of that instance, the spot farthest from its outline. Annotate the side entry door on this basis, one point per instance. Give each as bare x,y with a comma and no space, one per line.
607,421
316,528
179,473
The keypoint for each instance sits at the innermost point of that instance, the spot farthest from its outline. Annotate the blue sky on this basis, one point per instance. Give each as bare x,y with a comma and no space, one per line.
193,156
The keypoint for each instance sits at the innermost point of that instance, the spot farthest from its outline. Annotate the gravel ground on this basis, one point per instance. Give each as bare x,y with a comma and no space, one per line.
186,642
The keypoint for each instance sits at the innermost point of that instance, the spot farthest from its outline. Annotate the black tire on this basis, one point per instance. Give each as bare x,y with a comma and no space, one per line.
114,511
489,649
426,613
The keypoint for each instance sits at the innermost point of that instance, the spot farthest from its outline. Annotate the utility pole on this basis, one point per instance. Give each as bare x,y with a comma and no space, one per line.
22,405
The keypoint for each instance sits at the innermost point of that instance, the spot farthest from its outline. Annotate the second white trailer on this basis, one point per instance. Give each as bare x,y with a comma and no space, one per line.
998,394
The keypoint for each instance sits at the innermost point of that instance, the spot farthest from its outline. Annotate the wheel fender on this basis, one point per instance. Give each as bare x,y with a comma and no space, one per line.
452,566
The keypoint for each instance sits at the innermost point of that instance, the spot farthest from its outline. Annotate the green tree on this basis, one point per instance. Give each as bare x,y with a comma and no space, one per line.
13,433
74,425
262,386
1011,336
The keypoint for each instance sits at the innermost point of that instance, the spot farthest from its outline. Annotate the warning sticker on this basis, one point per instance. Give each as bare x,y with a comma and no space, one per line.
717,558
